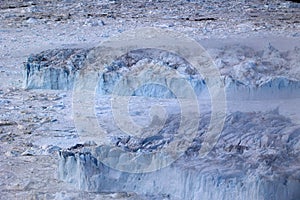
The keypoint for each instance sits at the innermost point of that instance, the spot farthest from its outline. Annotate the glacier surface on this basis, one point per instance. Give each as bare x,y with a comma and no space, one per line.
256,157
257,153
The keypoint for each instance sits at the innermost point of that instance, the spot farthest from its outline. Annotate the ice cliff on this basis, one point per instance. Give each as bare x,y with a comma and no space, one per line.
247,74
53,69
257,157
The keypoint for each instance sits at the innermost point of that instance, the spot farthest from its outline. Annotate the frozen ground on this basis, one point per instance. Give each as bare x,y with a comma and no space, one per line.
259,142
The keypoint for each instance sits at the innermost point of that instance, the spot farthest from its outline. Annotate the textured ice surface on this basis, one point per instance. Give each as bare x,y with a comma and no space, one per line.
257,154
53,69
256,157
248,74
44,117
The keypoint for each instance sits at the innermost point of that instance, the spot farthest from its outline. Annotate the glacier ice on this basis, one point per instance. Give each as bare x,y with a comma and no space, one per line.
257,157
248,74
257,154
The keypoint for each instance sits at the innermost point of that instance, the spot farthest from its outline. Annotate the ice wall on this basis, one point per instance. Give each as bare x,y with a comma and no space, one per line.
53,69
256,158
247,74
83,170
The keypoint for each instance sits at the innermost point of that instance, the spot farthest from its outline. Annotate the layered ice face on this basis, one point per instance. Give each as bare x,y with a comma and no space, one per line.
247,74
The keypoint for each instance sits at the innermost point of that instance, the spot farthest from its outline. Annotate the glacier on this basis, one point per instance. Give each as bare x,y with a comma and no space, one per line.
252,160
58,69
257,155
